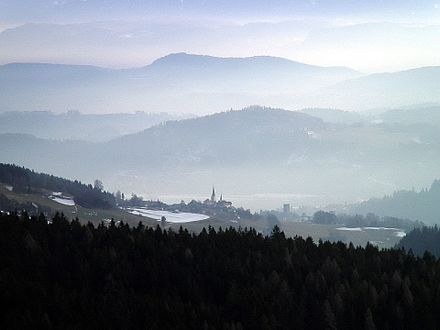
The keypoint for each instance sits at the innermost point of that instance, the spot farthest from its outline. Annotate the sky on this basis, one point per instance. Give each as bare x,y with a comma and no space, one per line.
369,36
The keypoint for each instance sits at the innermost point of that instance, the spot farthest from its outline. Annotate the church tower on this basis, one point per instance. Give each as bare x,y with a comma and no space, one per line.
213,199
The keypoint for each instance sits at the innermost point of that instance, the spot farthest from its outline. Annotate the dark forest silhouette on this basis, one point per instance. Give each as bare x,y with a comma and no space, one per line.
69,275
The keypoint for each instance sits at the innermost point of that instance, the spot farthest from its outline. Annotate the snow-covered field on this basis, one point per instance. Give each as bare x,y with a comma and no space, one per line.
62,200
349,228
397,232
171,217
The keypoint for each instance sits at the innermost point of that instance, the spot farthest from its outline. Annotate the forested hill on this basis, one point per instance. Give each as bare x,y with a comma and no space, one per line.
221,138
68,275
418,205
24,180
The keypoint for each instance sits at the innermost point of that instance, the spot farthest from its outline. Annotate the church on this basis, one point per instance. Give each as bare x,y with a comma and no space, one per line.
213,200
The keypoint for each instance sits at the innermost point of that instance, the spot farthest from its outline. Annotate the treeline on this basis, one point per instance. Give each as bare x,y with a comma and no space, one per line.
358,220
27,181
422,239
68,275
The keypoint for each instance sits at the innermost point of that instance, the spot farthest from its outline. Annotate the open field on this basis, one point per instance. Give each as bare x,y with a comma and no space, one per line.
95,216
360,236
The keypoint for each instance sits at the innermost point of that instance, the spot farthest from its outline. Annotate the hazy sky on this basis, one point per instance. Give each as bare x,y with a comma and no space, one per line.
366,35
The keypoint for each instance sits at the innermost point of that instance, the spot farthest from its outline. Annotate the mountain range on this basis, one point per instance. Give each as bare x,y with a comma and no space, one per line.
175,83
200,84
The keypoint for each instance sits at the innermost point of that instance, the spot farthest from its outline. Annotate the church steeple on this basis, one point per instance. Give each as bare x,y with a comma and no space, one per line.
213,195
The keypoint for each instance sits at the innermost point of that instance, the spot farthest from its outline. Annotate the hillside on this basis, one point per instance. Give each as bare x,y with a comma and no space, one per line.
222,138
421,205
422,240
22,180
22,189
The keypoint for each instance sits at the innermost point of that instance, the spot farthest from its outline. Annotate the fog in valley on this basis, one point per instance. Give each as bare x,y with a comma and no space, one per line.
258,157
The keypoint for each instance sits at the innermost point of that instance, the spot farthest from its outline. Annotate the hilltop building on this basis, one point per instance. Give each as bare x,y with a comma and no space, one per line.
213,200
223,202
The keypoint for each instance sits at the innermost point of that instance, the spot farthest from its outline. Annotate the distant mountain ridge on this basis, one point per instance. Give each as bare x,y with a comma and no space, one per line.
182,82
185,59
175,83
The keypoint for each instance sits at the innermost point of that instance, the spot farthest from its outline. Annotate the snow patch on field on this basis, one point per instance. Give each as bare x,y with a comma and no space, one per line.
397,231
381,228
179,217
63,200
349,228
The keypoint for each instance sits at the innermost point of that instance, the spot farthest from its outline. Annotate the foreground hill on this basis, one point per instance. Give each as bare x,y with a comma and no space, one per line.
22,180
176,83
81,276
38,193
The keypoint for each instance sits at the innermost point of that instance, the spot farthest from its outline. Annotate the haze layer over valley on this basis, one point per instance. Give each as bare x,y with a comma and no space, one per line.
258,157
